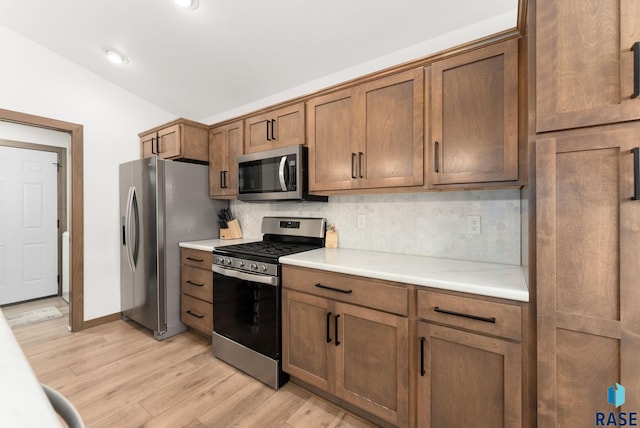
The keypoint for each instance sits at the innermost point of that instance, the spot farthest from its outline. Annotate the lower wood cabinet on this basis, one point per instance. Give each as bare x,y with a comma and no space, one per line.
467,378
196,299
357,354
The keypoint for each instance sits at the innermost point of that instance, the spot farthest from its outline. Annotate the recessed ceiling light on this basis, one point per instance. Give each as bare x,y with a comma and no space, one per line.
187,4
114,55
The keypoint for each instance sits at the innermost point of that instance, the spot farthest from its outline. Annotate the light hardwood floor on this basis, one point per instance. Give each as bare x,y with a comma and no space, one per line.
117,375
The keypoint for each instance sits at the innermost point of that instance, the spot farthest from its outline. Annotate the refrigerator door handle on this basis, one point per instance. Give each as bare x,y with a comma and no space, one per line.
127,226
132,224
136,229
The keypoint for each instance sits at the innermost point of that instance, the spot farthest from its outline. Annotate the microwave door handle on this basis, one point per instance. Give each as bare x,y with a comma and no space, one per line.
283,164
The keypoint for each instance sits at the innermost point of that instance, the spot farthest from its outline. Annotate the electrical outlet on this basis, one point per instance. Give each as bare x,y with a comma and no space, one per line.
361,221
474,226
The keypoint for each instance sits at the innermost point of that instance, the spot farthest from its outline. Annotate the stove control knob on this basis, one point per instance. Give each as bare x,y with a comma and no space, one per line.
253,266
240,263
263,268
220,260
228,262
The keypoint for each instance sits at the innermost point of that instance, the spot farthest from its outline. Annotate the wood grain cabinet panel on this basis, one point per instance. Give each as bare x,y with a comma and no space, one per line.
355,353
474,117
588,240
277,128
584,63
225,145
368,136
181,139
196,286
466,379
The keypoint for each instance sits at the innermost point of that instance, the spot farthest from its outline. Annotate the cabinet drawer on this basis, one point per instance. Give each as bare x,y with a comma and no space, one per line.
197,314
372,293
498,319
197,283
197,258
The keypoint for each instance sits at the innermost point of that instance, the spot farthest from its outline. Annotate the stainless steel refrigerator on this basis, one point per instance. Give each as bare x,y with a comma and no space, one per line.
162,203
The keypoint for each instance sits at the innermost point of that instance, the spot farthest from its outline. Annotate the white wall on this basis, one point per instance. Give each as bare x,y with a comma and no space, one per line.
36,81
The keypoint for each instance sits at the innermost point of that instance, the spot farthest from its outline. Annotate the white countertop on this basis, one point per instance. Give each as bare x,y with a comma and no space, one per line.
210,244
486,279
23,403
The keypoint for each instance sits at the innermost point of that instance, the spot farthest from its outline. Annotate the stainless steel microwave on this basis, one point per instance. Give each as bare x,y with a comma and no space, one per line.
275,175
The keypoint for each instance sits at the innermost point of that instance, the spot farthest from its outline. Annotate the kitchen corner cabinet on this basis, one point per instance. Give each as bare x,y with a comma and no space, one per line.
181,139
225,144
584,63
474,117
276,128
588,240
368,136
335,341
196,299
469,362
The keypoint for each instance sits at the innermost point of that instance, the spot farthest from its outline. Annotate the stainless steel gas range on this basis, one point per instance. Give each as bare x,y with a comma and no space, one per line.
247,289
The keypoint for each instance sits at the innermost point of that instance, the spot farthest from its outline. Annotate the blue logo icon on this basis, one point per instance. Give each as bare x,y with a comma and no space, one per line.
615,395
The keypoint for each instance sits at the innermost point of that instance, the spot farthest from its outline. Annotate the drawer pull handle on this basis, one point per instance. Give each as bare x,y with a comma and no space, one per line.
460,314
193,314
334,289
197,284
195,260
422,371
337,341
328,329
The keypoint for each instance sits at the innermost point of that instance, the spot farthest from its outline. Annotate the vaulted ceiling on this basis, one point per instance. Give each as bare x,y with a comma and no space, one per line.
230,53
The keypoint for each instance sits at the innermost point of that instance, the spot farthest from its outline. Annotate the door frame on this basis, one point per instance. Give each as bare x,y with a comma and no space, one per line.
61,182
76,225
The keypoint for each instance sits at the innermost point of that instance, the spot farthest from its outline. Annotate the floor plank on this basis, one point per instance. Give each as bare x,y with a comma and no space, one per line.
116,374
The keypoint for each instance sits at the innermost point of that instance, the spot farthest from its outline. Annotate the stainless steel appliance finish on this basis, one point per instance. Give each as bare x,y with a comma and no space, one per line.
278,174
246,285
161,203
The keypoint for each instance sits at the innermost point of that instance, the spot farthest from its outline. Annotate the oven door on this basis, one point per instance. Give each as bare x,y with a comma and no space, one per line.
246,310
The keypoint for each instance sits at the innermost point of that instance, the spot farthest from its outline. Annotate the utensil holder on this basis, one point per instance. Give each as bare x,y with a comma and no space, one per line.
232,231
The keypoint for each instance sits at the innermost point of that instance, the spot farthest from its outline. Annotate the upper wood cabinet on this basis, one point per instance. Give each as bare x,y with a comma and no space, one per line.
181,139
368,136
588,239
276,128
584,63
474,117
225,144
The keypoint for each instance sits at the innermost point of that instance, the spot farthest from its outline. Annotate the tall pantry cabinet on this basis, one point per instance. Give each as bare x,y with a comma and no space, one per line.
587,212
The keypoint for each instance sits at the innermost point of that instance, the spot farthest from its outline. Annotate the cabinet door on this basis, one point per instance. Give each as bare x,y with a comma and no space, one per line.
331,135
474,117
306,339
288,126
225,144
170,144
371,361
393,142
277,128
147,145
584,62
465,379
218,160
588,241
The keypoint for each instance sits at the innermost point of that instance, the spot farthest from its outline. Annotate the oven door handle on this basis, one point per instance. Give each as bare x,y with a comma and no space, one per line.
273,281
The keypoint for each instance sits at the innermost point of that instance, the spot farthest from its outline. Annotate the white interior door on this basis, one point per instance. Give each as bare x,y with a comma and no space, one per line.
28,224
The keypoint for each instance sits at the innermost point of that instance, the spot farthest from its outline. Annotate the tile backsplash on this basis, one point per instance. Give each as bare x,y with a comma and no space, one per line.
429,224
